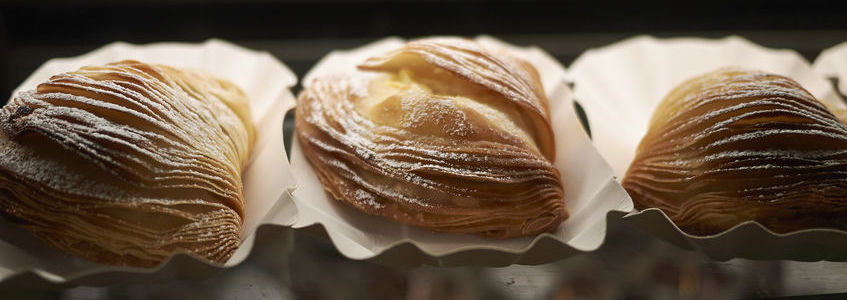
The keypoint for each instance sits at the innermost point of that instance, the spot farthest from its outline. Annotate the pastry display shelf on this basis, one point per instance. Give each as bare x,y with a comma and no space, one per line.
303,264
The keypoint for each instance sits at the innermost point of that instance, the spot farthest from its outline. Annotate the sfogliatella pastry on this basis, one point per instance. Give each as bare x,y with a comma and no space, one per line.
441,134
736,145
127,163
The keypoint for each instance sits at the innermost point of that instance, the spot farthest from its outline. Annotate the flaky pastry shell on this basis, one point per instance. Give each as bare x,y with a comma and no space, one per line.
127,163
441,134
738,145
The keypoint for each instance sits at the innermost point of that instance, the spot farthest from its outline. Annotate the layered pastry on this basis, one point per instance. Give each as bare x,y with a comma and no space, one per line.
736,145
127,163
441,133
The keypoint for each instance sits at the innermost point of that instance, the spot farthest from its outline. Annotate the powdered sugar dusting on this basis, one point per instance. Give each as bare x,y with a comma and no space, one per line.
432,157
367,198
127,136
742,145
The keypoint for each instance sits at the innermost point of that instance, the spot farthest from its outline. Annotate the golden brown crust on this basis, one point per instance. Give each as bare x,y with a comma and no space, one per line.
444,136
126,163
514,81
735,145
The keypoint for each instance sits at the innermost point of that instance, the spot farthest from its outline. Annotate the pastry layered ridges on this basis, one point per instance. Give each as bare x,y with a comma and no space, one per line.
737,145
490,76
439,134
128,163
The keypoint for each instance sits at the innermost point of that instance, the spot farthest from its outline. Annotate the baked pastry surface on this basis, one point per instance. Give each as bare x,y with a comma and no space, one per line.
441,134
736,145
126,163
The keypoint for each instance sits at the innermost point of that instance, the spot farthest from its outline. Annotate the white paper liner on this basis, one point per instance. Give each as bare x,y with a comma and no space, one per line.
27,261
591,192
832,63
619,87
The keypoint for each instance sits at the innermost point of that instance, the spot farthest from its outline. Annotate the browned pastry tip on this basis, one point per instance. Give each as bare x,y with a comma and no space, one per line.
736,145
441,134
127,163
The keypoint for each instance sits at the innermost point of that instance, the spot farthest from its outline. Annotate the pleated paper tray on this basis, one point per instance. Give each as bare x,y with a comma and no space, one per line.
26,261
619,87
591,193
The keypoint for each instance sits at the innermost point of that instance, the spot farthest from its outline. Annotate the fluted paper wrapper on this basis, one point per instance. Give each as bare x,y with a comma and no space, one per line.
620,86
591,193
26,261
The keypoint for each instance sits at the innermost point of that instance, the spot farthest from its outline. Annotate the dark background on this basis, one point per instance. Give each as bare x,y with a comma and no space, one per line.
300,32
